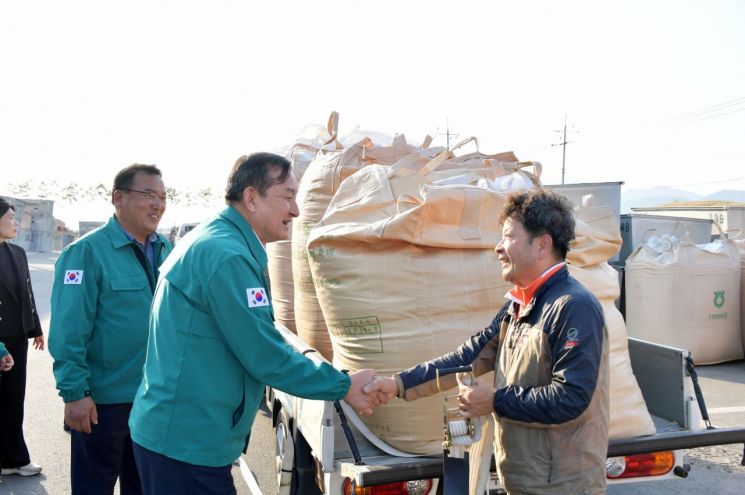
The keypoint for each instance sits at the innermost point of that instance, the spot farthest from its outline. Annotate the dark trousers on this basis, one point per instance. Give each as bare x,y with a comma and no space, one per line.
13,450
162,475
104,455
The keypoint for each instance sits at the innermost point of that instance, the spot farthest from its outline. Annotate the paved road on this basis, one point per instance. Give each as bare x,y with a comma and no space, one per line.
48,444
716,470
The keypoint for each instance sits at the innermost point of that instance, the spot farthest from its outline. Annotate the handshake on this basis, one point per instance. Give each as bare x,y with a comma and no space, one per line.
368,391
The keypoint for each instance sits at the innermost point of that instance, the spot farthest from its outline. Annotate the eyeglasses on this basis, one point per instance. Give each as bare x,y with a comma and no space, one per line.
149,195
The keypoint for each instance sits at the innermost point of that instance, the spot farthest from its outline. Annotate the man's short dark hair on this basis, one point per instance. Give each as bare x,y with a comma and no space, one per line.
126,176
542,212
254,171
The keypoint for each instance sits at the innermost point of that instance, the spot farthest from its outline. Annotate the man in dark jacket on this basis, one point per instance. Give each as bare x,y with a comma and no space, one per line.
19,322
549,348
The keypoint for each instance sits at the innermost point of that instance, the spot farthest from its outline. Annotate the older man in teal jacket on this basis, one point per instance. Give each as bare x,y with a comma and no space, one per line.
213,346
101,295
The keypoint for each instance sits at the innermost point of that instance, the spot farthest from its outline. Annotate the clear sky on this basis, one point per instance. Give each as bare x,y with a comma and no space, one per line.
655,89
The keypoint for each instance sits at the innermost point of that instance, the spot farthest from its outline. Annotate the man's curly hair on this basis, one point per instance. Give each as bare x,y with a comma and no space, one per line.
542,212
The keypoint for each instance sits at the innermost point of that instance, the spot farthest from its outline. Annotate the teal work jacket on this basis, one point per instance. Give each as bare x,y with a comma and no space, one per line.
213,347
101,298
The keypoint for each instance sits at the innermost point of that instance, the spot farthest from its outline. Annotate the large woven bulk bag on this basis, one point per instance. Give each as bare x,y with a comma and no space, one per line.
741,247
279,253
318,185
597,236
629,416
279,267
686,295
406,271
597,239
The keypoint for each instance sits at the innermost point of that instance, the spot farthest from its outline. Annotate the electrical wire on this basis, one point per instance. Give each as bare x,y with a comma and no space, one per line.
702,114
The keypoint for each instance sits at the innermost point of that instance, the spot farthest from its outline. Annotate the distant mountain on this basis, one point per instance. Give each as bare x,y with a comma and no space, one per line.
728,195
659,195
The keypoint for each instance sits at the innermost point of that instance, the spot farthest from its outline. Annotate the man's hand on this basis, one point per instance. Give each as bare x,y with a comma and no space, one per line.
39,342
477,400
81,414
6,362
385,388
360,401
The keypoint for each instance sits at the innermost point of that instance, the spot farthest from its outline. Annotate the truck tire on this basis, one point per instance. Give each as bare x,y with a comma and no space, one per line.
284,454
304,468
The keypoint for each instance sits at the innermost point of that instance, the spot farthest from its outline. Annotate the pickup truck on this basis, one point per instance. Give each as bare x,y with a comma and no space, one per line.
314,457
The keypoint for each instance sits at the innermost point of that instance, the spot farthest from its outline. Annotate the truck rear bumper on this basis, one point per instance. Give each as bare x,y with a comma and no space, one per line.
689,439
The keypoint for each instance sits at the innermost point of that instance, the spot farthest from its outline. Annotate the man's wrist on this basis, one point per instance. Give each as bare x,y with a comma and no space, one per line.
400,389
74,395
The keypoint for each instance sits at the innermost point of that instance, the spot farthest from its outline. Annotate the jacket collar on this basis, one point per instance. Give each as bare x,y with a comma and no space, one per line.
559,275
252,240
118,238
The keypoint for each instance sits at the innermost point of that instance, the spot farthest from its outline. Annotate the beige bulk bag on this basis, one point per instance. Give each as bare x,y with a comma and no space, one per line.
279,267
687,296
279,253
406,271
629,416
318,185
741,246
597,238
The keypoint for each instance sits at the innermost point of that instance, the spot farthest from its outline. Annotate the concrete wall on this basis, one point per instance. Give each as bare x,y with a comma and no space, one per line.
36,230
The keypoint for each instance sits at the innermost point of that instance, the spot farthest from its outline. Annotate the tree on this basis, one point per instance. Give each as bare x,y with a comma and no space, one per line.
103,192
71,193
21,190
174,197
205,196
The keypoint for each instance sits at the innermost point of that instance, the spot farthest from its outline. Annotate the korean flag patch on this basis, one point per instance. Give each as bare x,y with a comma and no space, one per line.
257,297
73,277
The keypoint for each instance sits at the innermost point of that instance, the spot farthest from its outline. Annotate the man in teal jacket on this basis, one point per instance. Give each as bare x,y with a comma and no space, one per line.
101,295
213,345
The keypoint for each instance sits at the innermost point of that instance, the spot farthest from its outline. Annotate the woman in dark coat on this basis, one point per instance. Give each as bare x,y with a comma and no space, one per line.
19,322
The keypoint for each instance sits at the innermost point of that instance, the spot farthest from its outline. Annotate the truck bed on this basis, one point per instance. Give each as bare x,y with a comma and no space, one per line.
660,371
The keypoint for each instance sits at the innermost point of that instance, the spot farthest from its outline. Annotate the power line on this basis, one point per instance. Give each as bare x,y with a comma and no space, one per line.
713,108
705,117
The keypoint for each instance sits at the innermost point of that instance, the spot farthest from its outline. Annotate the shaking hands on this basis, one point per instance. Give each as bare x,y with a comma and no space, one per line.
474,400
368,391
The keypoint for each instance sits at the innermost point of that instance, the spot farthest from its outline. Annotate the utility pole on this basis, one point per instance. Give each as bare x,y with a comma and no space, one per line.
563,145
447,134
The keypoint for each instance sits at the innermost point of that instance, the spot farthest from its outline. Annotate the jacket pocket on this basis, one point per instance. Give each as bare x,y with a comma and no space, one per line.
128,283
240,410
124,320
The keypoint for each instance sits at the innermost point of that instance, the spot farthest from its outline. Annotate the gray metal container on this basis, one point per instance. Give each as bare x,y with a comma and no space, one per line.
729,217
593,194
603,194
634,226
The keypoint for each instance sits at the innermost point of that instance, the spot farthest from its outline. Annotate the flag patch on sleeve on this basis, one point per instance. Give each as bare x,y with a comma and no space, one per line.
257,297
73,277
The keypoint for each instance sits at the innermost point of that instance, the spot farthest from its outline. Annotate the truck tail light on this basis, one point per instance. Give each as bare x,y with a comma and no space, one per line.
633,466
416,487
